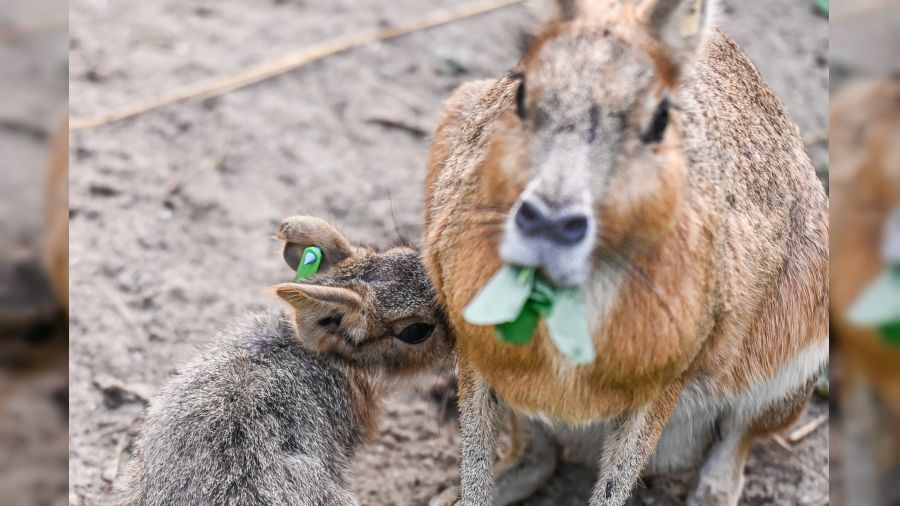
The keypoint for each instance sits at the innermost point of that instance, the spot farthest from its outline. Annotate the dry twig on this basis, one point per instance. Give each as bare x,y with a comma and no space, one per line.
782,443
293,61
112,471
397,124
804,431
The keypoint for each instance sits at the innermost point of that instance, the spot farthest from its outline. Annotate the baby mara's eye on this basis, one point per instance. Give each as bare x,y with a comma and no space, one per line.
415,333
658,124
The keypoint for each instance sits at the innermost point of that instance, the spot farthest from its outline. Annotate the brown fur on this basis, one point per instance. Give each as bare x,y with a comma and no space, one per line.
56,242
364,397
376,294
718,235
704,305
865,185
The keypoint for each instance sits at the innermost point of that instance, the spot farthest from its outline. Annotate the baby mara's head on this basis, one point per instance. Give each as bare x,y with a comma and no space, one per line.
374,310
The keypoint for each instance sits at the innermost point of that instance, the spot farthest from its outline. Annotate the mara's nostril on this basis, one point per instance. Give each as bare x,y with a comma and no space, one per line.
571,229
529,218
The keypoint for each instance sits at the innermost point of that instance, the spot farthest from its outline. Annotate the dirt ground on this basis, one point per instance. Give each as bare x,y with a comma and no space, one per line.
33,418
172,212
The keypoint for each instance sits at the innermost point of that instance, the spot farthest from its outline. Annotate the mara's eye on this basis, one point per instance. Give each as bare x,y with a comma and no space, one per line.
658,124
520,95
416,333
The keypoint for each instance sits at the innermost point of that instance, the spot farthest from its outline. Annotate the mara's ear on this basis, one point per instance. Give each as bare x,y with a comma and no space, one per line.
321,306
320,310
301,232
680,26
303,296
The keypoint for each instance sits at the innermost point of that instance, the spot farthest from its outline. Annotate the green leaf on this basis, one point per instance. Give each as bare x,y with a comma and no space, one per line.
891,333
502,299
822,6
514,301
879,303
521,330
568,326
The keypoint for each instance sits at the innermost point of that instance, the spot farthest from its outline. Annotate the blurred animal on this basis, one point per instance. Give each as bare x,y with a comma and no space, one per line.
865,189
26,298
33,289
56,230
272,413
636,153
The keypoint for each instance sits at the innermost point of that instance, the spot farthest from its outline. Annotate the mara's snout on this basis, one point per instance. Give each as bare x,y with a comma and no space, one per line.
557,239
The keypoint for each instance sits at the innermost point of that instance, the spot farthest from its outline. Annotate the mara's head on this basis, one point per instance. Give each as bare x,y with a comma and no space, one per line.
587,158
372,309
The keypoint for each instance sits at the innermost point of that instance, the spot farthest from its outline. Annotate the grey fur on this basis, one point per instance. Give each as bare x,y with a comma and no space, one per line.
255,419
273,411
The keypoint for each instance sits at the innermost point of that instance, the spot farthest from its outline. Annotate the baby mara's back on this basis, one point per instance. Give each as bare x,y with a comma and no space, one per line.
256,419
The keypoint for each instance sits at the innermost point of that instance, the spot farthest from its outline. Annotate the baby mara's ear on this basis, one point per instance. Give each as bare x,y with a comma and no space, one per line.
680,26
301,232
317,298
320,308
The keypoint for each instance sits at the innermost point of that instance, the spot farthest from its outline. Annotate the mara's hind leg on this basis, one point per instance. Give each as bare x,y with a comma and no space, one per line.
529,464
721,478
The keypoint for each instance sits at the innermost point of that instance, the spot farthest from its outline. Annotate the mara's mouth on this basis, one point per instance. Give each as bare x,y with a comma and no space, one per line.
560,266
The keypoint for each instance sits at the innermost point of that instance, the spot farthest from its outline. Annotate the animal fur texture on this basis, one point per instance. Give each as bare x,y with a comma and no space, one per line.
706,263
272,412
865,190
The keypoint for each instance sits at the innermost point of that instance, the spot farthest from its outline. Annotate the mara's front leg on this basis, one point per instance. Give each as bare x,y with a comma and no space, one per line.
479,418
628,447
520,473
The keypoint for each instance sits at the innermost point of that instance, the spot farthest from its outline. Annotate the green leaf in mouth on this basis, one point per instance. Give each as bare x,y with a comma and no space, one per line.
514,301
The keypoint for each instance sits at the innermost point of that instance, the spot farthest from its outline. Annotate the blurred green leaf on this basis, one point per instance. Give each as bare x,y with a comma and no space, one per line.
879,304
891,333
822,7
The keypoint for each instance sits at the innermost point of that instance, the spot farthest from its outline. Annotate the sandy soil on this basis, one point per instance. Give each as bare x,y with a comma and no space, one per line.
33,442
172,211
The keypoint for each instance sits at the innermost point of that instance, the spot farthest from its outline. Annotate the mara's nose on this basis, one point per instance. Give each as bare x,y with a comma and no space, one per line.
566,228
